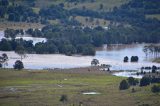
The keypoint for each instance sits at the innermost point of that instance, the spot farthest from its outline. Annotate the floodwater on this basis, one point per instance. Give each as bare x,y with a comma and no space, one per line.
25,37
108,54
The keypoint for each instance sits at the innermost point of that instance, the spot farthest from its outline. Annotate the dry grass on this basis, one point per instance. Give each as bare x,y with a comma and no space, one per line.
95,22
19,25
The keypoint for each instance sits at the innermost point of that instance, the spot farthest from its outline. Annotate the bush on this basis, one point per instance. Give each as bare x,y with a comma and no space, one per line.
18,65
132,81
155,88
145,81
0,65
123,85
133,90
63,98
155,80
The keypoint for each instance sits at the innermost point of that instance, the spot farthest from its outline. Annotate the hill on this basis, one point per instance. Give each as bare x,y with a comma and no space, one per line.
78,29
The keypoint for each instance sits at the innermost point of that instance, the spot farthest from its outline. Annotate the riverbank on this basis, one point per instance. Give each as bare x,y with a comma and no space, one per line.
45,87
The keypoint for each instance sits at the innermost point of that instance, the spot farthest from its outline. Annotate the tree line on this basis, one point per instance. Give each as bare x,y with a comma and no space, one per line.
152,50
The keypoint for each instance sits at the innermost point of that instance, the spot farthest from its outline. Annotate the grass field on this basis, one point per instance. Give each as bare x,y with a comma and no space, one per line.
95,22
19,25
107,4
44,88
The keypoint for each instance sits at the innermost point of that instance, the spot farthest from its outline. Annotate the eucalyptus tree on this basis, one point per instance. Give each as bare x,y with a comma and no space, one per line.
4,60
94,62
20,50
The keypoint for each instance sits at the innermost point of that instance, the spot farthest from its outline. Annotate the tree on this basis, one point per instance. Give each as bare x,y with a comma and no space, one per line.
123,85
0,65
94,62
101,6
18,65
125,59
3,59
20,50
154,68
145,81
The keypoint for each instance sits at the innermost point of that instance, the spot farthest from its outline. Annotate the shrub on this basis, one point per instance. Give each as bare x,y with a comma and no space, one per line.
132,81
155,80
133,90
145,81
63,98
123,85
155,88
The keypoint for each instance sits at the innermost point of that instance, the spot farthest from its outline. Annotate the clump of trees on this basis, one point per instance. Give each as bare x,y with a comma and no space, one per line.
4,59
153,70
11,33
125,84
145,81
65,40
133,59
152,50
132,81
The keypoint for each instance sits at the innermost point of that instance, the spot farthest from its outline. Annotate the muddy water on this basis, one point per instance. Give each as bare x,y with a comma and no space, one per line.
106,55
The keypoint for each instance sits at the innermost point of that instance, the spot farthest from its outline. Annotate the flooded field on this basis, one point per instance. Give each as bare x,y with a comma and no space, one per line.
108,54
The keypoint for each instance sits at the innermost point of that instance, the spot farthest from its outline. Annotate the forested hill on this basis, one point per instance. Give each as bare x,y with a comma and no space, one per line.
73,24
